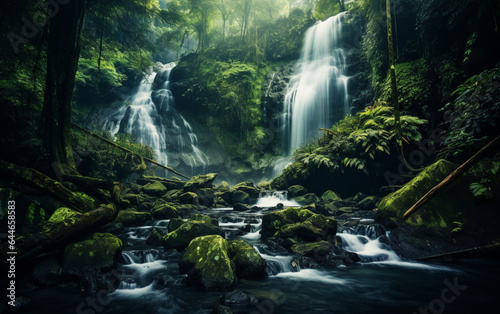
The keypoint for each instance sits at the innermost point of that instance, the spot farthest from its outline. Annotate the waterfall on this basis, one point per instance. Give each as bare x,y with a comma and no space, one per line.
150,116
318,93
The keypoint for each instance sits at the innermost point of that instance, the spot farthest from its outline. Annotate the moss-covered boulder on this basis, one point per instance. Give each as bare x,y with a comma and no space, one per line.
272,222
202,181
314,249
154,189
298,224
223,187
180,238
132,218
296,190
306,199
101,250
249,188
330,196
189,198
206,197
238,196
165,211
248,262
175,223
156,237
134,199
207,263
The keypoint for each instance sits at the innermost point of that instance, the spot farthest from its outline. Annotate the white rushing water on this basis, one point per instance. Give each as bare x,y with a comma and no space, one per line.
318,93
151,117
273,198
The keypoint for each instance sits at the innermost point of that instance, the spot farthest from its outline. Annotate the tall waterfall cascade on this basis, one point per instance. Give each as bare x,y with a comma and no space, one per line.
150,116
318,94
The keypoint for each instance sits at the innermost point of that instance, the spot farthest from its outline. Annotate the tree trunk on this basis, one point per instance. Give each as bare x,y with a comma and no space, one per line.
394,86
63,50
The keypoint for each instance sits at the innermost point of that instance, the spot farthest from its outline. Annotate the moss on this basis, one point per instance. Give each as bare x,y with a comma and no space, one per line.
132,218
306,199
66,215
330,196
207,263
199,182
189,198
248,262
180,238
438,213
272,222
165,211
100,250
314,249
87,198
154,189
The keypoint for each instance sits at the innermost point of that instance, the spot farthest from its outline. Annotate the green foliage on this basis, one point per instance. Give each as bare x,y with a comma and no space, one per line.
474,115
358,141
323,9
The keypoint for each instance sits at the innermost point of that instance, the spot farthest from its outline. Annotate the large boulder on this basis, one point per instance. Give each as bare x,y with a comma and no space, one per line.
316,250
207,263
272,222
154,189
248,262
298,224
101,250
202,181
179,239
238,196
65,215
175,223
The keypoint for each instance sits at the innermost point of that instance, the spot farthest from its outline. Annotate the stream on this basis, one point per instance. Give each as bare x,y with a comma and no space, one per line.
382,282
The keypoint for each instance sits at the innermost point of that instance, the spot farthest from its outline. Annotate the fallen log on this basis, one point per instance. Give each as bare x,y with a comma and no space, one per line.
453,176
40,181
56,235
129,151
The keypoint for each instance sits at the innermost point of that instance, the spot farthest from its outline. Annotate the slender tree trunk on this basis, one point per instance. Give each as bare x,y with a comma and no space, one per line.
63,50
394,86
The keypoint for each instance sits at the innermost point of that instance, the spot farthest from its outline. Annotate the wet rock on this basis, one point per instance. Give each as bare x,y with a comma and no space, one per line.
180,238
300,224
296,190
237,297
145,207
206,197
223,187
358,197
165,211
306,199
132,218
189,198
239,197
200,182
205,219
330,196
248,262
207,263
156,236
100,250
66,215
46,271
154,189
240,207
175,223
317,250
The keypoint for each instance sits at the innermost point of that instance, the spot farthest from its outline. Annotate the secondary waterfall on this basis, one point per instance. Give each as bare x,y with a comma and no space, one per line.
318,93
151,117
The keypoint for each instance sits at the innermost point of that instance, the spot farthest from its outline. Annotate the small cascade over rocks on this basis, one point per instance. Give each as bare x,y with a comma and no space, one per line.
273,198
150,116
